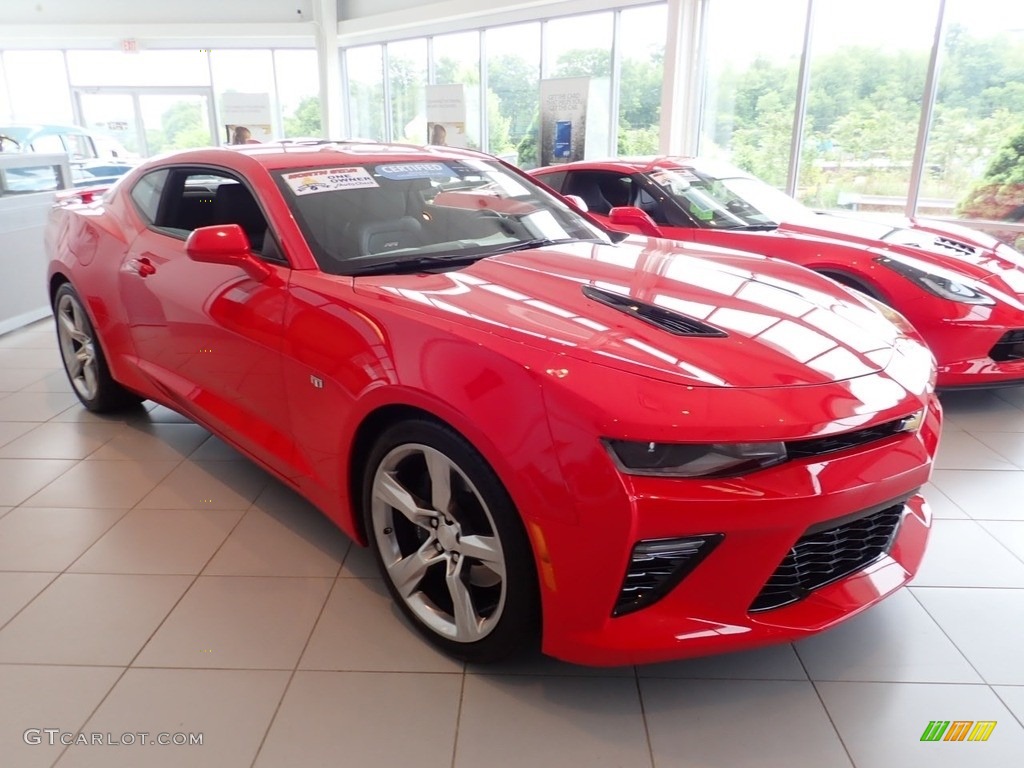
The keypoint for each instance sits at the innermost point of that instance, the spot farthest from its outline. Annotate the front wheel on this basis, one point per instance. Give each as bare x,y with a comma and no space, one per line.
450,543
83,358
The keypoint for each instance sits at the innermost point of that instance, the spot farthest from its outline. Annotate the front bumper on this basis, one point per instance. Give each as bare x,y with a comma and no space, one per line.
761,517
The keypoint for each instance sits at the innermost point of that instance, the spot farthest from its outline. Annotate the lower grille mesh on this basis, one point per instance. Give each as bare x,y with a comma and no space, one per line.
821,557
1009,347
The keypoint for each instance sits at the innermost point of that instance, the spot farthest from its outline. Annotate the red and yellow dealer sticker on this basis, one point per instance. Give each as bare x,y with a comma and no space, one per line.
329,179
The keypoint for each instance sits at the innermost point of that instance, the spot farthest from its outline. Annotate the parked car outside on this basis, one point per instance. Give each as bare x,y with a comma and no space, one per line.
617,450
962,289
95,159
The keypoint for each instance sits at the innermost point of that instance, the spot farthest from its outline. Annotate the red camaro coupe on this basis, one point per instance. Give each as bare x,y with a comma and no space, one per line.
962,289
618,450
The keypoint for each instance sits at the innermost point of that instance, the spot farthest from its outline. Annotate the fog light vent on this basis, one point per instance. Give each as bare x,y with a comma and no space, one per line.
656,566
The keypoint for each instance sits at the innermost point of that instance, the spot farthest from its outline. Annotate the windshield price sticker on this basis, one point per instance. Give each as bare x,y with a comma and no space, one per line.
400,171
329,179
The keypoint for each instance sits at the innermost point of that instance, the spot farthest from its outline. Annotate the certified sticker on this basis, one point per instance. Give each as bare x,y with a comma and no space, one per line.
399,171
329,179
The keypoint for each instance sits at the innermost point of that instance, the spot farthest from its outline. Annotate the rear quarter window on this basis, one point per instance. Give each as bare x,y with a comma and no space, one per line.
146,194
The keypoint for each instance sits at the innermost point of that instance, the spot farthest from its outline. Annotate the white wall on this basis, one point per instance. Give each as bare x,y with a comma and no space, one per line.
150,12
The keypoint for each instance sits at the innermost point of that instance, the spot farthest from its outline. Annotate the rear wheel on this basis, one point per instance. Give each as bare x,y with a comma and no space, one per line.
450,543
83,358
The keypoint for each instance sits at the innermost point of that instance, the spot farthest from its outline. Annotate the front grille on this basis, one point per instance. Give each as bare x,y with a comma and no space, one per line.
656,566
815,446
1009,347
821,557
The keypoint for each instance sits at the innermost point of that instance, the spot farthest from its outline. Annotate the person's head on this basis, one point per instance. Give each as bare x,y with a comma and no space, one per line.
438,134
240,135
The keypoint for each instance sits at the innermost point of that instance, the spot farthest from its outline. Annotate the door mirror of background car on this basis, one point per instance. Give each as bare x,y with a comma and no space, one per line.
225,244
630,216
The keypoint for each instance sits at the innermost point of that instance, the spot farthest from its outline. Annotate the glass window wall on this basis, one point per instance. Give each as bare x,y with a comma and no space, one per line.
365,70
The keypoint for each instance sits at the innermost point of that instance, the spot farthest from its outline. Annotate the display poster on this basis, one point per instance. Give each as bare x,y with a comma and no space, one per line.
246,117
446,115
573,119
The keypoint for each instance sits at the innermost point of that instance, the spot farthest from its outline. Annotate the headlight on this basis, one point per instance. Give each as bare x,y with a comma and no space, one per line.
694,460
935,284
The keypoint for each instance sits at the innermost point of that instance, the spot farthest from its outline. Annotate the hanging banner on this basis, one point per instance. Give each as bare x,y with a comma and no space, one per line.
446,115
246,117
573,119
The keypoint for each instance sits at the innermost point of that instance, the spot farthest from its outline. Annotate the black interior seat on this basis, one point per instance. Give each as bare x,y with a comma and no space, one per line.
234,204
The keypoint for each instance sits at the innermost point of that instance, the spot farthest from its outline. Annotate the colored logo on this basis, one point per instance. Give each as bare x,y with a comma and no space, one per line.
958,730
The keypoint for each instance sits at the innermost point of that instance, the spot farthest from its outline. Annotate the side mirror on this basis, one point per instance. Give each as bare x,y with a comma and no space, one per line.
631,216
226,244
578,201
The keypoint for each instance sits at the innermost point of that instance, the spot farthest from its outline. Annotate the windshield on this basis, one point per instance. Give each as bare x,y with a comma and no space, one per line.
728,202
394,211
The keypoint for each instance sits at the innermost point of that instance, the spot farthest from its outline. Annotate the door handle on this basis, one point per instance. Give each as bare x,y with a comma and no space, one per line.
144,266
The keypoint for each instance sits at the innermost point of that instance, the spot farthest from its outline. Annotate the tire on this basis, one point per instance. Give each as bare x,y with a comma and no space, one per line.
454,554
83,357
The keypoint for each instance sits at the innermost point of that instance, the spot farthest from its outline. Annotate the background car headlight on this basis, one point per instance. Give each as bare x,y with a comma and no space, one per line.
694,460
943,287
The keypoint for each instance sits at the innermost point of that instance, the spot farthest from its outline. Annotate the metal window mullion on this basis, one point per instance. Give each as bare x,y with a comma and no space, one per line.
485,127
800,109
386,91
614,84
931,88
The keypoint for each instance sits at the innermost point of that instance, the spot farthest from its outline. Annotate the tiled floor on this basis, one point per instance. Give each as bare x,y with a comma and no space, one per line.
152,580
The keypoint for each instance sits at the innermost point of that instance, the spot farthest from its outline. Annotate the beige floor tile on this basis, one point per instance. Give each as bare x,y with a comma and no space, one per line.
962,450
36,336
537,664
52,382
159,541
230,709
20,478
39,697
894,641
99,484
308,731
44,539
245,622
1010,445
359,563
300,542
550,721
152,442
5,510
208,485
35,406
961,553
18,589
90,619
79,413
29,357
775,662
985,624
941,505
882,724
12,430
362,630
984,495
60,440
163,415
1013,697
1009,533
215,449
14,379
739,724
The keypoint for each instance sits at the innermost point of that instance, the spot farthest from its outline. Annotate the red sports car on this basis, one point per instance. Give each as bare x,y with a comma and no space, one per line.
962,289
619,450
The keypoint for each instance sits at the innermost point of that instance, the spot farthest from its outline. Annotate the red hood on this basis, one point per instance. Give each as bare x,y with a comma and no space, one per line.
785,326
952,247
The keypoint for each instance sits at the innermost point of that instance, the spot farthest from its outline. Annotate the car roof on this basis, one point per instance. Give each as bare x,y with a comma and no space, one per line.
29,131
304,154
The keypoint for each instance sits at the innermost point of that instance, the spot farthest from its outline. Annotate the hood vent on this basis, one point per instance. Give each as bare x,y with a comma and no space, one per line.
949,244
665,319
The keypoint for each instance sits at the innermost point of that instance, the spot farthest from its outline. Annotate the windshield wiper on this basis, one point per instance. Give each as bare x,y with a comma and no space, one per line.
415,264
754,227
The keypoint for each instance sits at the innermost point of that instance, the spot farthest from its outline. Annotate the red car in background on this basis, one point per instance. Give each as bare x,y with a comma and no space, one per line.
620,451
962,289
